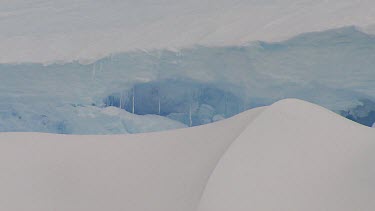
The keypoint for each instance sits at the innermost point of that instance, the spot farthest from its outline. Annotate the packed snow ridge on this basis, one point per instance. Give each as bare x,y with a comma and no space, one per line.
290,156
47,31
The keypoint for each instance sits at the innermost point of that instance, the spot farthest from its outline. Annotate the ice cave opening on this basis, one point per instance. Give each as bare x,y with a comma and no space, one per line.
187,101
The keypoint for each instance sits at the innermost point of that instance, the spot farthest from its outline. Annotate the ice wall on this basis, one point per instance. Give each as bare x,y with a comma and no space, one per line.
195,85
187,101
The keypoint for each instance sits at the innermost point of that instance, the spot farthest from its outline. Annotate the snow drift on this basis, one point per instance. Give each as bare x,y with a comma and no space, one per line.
291,155
296,156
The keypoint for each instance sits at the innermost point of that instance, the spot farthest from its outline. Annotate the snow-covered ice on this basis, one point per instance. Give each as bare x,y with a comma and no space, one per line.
63,62
134,66
65,30
193,86
292,155
295,156
164,171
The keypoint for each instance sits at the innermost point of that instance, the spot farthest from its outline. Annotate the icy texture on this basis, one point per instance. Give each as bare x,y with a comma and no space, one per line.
190,102
363,113
72,119
195,86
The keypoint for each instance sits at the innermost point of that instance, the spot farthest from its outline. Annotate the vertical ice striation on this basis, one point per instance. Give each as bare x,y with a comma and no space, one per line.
193,86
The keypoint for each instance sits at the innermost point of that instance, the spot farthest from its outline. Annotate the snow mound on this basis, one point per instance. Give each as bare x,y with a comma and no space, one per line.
296,156
164,171
292,155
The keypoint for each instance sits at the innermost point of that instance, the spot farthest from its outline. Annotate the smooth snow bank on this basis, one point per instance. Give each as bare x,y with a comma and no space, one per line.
48,31
289,156
296,156
164,171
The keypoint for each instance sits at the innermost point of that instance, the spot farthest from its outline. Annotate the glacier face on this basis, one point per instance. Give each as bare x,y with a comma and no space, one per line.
187,101
173,89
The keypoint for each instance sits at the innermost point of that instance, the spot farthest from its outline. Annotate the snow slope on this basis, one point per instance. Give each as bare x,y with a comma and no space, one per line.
292,155
64,30
144,172
296,156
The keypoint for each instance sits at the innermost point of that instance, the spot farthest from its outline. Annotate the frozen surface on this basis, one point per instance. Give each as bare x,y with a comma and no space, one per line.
364,113
144,172
72,119
289,156
295,156
66,30
193,86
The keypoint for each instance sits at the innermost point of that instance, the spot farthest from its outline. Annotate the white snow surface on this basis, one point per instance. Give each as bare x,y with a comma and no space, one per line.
48,31
289,156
